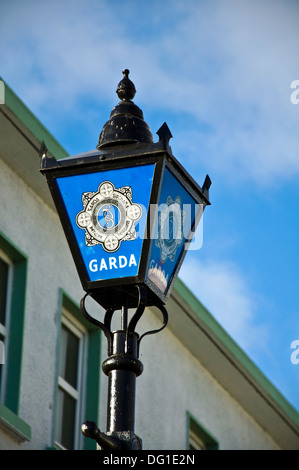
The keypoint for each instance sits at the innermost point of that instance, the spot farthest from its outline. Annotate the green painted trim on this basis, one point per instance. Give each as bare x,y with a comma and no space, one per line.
93,383
32,123
92,398
239,355
16,425
16,329
197,428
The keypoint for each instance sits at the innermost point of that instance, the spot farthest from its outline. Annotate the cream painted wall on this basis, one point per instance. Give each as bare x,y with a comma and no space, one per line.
173,381
35,229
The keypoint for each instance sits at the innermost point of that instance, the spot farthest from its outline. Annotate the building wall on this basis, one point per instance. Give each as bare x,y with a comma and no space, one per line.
34,228
173,382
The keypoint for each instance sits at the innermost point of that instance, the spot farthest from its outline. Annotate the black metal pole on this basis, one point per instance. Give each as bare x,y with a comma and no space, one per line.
122,367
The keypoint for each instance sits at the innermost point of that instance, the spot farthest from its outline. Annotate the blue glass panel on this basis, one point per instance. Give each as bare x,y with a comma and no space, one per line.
107,211
176,217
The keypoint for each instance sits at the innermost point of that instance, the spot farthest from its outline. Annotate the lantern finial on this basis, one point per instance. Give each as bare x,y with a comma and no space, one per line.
126,124
126,89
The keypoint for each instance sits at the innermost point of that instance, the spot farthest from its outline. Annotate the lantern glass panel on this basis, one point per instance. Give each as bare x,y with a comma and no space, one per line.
107,211
177,214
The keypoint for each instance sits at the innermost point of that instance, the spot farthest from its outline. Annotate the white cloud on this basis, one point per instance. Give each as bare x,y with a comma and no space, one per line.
246,102
227,67
224,291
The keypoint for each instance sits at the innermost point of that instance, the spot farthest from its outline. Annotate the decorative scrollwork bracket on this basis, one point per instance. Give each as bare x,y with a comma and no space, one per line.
122,367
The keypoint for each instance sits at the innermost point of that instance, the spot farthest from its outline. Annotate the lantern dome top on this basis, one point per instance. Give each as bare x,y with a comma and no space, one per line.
126,124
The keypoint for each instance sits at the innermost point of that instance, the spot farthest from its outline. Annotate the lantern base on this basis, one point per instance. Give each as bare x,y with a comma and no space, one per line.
127,294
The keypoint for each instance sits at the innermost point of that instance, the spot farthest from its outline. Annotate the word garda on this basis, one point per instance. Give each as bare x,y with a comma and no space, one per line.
112,263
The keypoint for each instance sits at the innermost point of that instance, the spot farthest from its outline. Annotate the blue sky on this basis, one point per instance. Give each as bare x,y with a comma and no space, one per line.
219,73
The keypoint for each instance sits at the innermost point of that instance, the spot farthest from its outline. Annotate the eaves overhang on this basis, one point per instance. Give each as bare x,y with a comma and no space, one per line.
229,365
21,134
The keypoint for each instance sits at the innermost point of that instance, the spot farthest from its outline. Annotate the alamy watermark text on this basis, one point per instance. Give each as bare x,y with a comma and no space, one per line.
294,97
295,353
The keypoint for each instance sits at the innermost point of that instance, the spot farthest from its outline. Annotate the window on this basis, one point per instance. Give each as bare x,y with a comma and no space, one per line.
78,378
6,271
195,442
72,364
198,437
13,275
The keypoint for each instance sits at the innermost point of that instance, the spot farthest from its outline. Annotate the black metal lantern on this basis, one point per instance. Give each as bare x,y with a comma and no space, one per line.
129,210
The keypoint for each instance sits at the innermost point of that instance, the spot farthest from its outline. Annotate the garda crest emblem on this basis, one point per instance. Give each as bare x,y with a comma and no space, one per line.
109,216
170,229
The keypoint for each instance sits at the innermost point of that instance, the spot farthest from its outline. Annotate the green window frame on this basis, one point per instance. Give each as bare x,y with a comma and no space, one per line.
6,275
9,406
198,437
90,393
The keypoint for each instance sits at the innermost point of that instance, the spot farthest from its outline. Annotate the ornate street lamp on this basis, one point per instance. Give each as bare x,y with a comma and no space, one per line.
129,211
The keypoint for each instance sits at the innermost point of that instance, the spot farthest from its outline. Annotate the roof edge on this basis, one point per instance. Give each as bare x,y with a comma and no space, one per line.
236,351
32,123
